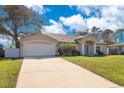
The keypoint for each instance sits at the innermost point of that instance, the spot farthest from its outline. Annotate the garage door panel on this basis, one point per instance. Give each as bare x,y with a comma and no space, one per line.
42,49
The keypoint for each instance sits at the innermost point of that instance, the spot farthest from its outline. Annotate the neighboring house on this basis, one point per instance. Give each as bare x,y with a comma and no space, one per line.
117,48
47,45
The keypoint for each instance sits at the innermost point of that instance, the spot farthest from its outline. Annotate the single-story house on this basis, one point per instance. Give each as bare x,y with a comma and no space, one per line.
46,44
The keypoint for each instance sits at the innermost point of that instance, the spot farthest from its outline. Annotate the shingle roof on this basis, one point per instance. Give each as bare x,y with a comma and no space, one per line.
62,38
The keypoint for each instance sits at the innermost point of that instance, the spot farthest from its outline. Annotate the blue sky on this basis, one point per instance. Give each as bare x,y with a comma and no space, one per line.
65,19
56,11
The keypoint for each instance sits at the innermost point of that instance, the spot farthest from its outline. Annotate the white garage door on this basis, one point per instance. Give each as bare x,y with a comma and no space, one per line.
39,49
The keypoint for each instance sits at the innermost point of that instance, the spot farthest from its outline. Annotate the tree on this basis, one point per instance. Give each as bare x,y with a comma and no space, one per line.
84,32
107,36
119,30
95,30
17,21
114,37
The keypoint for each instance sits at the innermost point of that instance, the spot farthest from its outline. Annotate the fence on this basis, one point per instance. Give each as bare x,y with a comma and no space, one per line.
11,53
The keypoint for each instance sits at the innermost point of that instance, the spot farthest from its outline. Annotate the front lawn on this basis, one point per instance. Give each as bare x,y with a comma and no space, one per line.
109,67
9,70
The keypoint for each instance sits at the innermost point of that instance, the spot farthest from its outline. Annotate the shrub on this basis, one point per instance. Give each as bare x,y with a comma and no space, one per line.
67,49
122,53
100,53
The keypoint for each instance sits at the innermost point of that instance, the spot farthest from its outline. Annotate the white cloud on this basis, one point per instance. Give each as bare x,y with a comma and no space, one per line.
98,22
55,27
114,14
89,9
37,8
101,23
111,16
75,22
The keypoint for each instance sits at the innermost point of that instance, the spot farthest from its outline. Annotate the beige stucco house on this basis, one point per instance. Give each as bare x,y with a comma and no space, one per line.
46,45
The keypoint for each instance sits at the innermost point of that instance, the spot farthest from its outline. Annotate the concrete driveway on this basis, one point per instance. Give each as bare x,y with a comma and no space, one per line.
58,73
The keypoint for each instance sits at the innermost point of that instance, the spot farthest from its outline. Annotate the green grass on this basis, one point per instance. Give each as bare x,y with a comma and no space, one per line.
9,70
109,67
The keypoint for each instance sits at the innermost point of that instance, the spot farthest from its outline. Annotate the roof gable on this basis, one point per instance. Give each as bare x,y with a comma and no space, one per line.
55,37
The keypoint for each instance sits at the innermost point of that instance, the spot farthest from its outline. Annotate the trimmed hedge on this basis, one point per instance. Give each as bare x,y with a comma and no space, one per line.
68,49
